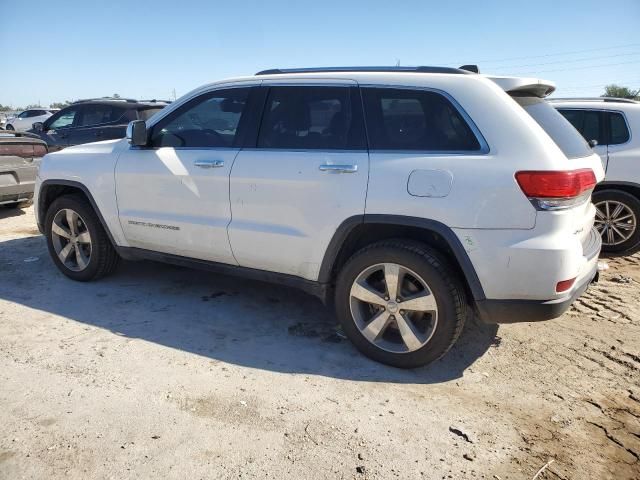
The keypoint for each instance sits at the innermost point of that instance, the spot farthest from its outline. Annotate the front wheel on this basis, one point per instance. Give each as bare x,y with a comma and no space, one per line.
9,128
77,243
400,303
617,216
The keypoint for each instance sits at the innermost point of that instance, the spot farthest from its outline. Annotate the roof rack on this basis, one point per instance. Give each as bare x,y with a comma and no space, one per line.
154,100
281,71
594,99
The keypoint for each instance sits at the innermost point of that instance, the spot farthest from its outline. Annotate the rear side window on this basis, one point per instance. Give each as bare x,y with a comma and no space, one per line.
311,118
619,132
565,136
399,119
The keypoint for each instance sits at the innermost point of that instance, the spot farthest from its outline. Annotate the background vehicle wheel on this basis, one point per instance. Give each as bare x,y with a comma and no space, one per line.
400,303
9,127
77,243
617,217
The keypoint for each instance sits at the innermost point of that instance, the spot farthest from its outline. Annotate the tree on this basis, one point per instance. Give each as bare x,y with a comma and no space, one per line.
115,95
33,105
617,91
5,108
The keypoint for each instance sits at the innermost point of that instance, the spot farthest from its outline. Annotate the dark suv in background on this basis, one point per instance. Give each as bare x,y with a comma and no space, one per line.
93,120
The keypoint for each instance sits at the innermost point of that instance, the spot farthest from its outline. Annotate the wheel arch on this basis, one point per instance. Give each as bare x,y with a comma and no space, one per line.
360,230
628,187
52,189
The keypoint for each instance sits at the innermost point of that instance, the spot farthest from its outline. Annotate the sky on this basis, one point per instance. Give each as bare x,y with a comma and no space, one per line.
68,50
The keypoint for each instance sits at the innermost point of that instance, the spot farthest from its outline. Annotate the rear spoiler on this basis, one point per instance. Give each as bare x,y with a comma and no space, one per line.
525,87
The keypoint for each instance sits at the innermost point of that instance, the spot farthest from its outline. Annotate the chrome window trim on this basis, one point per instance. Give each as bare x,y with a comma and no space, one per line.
484,146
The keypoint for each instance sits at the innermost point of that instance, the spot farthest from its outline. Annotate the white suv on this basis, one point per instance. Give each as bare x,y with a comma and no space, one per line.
613,123
25,120
401,195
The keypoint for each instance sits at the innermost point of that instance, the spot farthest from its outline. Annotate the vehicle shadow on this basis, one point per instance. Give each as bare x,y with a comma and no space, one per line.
242,322
8,212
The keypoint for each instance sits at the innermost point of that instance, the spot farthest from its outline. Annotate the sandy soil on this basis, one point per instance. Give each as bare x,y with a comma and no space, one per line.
160,371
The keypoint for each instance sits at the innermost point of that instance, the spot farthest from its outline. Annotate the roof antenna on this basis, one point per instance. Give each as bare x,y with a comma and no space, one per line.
470,68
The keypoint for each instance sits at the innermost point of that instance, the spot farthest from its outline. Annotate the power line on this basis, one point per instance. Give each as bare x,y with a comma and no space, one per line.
572,61
587,67
557,54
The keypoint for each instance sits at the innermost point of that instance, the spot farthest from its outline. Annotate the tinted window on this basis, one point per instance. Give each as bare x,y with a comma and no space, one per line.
146,113
588,123
63,119
557,127
317,118
99,114
211,120
400,119
619,133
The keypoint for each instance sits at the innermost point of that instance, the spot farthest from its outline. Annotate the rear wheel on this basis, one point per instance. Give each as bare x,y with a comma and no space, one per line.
617,216
400,303
77,243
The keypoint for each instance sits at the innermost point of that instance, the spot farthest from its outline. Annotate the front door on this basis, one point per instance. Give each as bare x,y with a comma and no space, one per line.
57,128
173,196
307,173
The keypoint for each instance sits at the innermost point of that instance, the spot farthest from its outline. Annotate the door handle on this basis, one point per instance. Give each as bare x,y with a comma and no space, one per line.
338,168
209,163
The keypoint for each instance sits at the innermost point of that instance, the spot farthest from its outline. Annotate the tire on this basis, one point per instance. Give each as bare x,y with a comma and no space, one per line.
99,258
9,127
631,221
419,266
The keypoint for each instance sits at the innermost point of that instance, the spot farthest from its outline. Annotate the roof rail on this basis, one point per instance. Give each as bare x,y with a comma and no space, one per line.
155,100
593,99
281,71
115,99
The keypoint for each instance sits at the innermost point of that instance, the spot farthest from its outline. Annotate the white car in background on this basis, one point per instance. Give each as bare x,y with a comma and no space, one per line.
25,120
614,123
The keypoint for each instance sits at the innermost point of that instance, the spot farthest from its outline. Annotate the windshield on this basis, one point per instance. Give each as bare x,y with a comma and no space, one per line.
557,127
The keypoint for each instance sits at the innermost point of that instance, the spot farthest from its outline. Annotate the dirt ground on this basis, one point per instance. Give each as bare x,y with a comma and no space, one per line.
159,371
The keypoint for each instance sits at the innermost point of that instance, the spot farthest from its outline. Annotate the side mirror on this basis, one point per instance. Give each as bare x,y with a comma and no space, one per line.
38,126
137,133
592,143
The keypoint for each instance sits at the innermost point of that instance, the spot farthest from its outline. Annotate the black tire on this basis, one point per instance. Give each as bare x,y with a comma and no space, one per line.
443,283
9,128
103,259
632,244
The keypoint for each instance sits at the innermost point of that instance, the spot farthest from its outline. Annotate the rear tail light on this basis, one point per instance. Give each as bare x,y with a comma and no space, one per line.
557,190
565,285
39,151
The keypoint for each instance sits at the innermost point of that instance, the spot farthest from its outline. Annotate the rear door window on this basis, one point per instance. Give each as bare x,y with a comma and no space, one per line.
405,119
99,115
562,132
312,118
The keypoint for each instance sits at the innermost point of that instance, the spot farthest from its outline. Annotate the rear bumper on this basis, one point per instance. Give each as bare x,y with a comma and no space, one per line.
516,311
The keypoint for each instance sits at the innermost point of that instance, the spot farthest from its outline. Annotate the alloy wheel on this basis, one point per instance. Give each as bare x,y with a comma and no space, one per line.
393,307
615,222
71,239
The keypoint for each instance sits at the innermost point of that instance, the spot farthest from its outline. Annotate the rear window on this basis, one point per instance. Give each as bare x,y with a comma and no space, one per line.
557,127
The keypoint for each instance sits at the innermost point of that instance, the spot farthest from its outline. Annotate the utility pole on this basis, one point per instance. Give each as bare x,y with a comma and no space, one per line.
174,94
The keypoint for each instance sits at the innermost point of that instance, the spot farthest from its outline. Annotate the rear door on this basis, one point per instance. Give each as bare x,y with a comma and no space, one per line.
305,175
